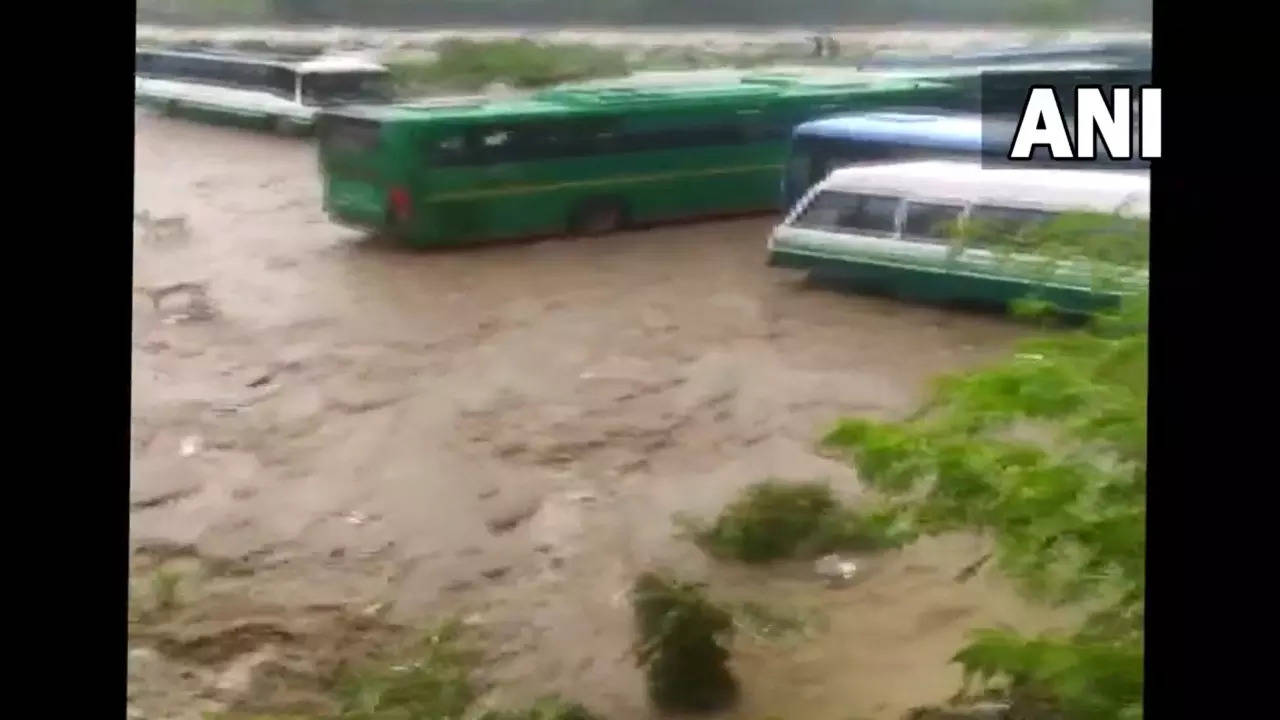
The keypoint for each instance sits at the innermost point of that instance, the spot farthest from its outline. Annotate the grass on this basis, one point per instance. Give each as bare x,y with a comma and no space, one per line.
432,681
164,590
433,684
775,520
471,65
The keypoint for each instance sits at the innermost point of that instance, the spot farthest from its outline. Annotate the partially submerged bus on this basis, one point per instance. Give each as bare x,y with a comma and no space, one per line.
822,145
282,93
580,160
1136,52
955,231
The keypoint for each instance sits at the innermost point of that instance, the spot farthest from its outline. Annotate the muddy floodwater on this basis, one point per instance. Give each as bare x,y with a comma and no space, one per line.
334,439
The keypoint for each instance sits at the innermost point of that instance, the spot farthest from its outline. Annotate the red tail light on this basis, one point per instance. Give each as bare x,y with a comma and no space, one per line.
400,204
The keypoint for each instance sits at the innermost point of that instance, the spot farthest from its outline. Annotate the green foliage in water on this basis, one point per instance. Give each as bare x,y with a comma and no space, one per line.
1047,452
434,683
682,645
470,65
773,520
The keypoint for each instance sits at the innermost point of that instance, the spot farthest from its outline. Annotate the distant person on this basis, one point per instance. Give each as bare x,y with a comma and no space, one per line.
817,46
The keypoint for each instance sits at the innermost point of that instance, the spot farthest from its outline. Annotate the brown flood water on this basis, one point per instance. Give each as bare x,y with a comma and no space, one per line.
504,433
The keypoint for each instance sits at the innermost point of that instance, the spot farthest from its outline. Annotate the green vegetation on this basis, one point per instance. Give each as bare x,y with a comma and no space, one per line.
1047,453
775,520
470,65
682,645
1091,236
165,584
435,684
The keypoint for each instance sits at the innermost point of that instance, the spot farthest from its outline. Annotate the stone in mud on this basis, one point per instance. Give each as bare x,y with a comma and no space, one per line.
512,514
245,675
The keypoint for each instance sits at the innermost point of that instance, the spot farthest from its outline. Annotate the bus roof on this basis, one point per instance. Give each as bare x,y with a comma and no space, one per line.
297,63
1063,190
611,99
958,131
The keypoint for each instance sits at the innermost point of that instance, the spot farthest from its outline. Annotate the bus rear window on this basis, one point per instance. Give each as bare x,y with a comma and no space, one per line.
850,213
349,135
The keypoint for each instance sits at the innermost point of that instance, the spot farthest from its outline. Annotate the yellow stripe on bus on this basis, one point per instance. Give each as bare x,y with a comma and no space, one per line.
528,189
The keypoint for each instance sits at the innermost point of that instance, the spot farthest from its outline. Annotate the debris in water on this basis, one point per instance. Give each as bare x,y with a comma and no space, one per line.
355,517
581,496
835,568
191,445
259,381
972,569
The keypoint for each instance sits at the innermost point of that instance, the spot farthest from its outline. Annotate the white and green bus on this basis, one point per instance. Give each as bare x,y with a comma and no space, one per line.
955,231
283,93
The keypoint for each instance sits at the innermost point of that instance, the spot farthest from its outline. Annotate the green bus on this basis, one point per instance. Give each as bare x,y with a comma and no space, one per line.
577,160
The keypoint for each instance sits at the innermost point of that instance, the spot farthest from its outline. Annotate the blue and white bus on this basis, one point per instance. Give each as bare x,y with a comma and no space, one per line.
820,146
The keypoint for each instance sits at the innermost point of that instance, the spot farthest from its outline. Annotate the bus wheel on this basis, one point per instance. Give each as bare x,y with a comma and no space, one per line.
599,217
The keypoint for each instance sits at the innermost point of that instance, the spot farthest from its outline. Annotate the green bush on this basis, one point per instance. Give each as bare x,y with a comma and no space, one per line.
774,520
433,684
682,645
1068,512
470,65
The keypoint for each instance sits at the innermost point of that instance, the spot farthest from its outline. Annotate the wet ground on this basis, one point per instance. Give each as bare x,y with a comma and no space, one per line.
334,439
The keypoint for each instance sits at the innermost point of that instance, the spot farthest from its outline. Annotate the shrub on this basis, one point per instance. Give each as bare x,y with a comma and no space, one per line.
682,645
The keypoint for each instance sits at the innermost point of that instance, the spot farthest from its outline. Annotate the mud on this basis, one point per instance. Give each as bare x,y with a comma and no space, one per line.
349,440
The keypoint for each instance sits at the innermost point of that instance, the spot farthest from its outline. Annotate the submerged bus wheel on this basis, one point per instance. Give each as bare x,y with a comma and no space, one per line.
599,217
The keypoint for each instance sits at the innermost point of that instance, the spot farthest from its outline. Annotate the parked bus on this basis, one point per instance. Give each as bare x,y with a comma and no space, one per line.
1123,52
822,145
277,92
580,160
949,230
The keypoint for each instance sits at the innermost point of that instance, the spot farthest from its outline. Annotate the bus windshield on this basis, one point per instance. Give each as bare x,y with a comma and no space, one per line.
344,88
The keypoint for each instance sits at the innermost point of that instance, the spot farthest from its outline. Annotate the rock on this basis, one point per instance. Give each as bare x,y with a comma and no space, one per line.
494,573
245,675
835,568
512,515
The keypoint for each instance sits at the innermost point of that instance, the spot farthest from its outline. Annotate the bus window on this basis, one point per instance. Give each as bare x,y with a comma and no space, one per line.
1009,219
347,87
990,225
872,214
850,213
823,209
929,221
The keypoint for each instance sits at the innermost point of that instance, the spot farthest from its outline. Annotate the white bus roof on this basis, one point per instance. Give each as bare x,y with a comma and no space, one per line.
338,64
307,64
969,182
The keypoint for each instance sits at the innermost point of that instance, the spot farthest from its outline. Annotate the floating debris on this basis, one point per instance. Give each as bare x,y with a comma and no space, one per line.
190,445
835,568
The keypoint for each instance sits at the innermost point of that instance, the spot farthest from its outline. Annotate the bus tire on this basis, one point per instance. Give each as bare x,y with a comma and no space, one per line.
599,216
